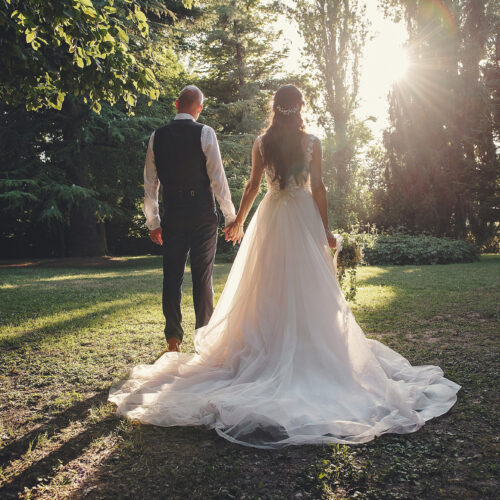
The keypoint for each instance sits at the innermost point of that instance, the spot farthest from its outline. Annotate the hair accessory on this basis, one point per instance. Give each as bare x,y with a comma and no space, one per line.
287,112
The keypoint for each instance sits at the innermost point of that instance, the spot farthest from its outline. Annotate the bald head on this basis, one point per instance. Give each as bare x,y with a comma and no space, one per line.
190,100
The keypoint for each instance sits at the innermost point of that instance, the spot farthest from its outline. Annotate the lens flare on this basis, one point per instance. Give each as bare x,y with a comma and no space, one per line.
436,9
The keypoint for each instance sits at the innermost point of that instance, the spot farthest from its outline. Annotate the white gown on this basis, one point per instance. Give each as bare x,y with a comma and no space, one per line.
282,360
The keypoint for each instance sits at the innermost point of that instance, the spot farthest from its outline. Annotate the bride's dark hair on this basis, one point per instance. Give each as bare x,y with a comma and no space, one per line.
282,141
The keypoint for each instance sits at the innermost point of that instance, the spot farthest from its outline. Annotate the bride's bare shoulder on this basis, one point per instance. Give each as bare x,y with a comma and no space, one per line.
258,141
257,147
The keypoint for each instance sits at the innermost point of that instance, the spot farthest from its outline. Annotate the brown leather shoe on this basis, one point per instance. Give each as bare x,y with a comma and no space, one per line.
174,344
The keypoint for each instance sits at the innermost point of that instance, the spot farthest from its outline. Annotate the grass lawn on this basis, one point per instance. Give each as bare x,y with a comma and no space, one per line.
68,329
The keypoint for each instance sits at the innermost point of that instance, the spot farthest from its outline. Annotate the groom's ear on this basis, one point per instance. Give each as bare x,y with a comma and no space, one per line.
176,104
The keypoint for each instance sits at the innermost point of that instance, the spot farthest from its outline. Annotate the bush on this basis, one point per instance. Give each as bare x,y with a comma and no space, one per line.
401,248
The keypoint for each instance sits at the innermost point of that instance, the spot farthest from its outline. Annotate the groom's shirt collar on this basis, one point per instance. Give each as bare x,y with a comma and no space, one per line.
184,116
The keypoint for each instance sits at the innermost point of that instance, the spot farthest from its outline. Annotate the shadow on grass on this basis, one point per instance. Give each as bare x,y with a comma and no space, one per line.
194,462
85,280
58,329
69,294
149,462
73,276
448,455
81,262
63,454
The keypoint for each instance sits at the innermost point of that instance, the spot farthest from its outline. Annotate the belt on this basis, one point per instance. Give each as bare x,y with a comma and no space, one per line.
189,193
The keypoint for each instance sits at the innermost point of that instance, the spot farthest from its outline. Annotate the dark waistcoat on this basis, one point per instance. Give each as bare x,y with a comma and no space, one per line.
179,158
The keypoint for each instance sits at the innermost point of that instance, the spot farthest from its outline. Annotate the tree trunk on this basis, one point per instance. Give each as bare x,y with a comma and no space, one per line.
101,230
62,240
84,239
239,57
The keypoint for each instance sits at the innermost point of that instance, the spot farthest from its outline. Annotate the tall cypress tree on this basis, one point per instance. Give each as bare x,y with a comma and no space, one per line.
442,169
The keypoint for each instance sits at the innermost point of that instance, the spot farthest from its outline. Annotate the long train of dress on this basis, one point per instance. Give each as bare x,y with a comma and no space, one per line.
282,360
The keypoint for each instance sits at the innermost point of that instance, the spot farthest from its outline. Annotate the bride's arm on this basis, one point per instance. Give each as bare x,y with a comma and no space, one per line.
235,231
319,191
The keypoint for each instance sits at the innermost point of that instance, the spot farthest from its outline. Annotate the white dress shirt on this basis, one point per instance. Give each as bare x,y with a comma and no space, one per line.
215,170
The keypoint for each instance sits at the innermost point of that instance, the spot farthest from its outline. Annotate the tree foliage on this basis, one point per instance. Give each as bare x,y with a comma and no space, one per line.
442,171
334,33
84,82
238,71
73,47
70,175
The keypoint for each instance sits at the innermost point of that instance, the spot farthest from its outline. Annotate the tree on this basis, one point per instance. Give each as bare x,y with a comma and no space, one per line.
49,50
479,36
237,68
36,192
334,33
71,172
442,172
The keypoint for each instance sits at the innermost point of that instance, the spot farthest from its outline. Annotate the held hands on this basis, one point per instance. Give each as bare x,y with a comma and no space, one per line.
155,235
234,232
332,242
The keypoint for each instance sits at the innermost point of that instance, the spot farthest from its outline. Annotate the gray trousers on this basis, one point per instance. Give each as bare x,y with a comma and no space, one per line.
189,227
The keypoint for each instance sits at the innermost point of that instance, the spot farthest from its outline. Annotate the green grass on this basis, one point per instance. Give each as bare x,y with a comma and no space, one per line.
67,332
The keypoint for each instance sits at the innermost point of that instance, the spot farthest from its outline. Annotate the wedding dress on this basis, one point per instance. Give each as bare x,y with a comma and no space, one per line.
282,360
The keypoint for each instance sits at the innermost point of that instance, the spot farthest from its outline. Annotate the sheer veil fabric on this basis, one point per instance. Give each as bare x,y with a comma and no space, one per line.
283,360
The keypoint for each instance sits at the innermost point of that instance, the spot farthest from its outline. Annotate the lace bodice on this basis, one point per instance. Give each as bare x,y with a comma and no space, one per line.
273,187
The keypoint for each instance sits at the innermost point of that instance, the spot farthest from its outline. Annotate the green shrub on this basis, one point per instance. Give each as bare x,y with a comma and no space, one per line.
401,248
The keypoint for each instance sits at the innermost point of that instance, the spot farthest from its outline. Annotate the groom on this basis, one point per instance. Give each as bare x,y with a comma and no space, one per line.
183,156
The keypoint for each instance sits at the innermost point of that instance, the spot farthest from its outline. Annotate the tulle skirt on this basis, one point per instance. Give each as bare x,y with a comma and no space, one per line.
282,360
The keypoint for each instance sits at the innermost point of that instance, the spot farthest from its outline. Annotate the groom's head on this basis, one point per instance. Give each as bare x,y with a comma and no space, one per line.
190,101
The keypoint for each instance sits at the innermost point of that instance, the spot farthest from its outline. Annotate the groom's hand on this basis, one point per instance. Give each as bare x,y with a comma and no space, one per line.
227,231
155,235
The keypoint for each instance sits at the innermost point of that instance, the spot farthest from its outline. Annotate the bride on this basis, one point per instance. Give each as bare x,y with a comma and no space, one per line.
282,360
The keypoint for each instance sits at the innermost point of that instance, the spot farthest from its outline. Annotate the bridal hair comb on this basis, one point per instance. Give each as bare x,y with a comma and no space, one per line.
287,112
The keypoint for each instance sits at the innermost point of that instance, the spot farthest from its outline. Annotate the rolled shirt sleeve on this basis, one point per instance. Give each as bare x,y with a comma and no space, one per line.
150,207
215,170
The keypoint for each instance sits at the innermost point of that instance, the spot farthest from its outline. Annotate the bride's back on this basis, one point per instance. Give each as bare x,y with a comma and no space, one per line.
285,147
294,172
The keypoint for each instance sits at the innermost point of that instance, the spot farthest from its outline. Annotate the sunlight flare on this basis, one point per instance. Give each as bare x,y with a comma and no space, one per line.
398,64
391,66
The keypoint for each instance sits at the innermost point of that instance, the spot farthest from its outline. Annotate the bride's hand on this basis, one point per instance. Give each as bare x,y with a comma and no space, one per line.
332,242
228,231
237,233
234,232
